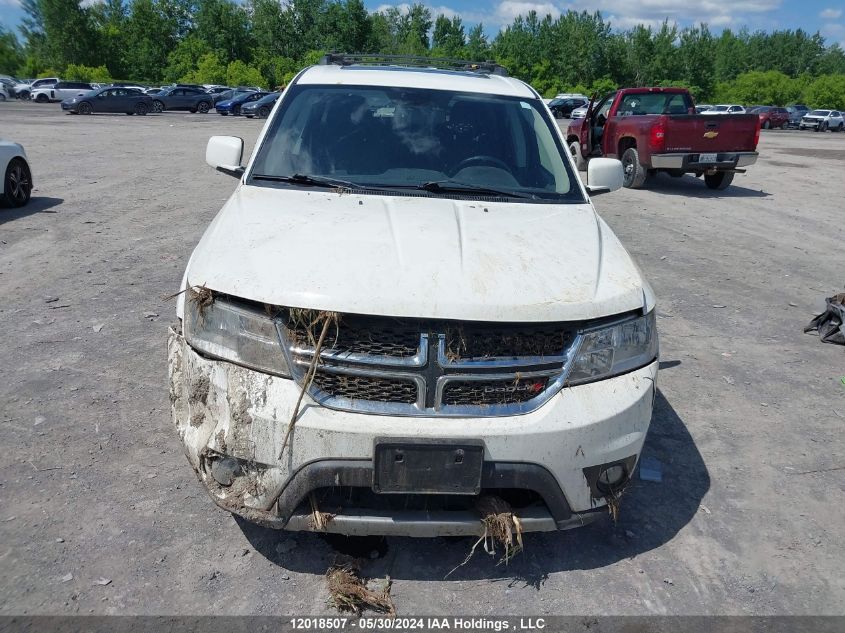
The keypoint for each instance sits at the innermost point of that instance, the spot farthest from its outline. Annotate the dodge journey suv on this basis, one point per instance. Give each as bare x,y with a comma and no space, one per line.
409,302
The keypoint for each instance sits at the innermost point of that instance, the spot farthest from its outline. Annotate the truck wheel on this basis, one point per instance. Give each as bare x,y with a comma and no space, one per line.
634,173
575,150
720,180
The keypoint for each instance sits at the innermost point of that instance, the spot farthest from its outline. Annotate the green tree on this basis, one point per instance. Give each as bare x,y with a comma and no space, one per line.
69,33
240,74
448,38
210,70
185,58
150,35
477,47
827,91
224,27
11,53
80,72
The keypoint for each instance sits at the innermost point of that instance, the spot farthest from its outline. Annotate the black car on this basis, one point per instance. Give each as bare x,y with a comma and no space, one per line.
191,99
262,107
111,99
562,108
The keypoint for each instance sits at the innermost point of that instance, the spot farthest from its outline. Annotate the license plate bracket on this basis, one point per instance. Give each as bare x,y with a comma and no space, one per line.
708,158
414,466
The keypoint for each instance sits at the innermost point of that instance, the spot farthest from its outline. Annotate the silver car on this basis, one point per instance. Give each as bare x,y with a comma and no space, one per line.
821,120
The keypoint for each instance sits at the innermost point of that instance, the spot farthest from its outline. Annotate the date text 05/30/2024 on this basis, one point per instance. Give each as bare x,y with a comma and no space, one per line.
417,624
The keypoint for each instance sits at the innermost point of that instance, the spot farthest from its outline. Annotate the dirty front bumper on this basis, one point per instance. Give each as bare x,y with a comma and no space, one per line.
228,415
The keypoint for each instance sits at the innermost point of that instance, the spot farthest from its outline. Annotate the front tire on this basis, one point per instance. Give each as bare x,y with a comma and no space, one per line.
17,184
634,174
23,95
84,108
263,112
719,181
158,106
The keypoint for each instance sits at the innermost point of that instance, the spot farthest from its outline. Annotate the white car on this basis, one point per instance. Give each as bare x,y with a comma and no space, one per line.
24,89
5,95
822,120
725,109
579,113
59,91
17,177
408,303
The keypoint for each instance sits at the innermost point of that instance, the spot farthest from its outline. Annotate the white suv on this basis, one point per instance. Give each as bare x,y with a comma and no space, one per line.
408,302
59,91
821,120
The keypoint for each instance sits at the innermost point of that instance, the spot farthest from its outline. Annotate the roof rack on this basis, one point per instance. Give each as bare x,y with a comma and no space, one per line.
375,59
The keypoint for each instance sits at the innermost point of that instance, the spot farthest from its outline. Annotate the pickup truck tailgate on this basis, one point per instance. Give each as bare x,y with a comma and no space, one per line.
711,133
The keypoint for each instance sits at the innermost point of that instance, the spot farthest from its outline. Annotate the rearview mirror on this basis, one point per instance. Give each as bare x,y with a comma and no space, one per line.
604,175
225,153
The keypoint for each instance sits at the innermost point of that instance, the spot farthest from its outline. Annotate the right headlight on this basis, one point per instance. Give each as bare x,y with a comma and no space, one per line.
237,333
614,349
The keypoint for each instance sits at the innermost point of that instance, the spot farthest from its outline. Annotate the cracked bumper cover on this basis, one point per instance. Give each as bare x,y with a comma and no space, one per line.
221,409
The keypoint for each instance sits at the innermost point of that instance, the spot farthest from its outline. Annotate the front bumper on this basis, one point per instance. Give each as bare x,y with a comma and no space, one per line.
222,411
690,162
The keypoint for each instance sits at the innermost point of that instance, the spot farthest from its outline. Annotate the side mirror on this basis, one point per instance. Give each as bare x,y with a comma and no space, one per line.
604,175
225,153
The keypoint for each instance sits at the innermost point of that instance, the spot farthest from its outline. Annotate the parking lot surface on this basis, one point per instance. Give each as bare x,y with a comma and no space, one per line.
748,427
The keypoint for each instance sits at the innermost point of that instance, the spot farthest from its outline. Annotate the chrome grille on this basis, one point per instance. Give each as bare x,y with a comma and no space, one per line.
430,367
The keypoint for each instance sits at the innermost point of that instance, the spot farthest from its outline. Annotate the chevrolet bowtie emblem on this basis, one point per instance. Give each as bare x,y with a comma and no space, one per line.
711,134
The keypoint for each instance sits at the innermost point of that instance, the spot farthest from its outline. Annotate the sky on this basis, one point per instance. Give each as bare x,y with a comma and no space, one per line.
826,16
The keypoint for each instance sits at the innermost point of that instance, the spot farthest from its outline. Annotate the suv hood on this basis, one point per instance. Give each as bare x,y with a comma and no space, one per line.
423,257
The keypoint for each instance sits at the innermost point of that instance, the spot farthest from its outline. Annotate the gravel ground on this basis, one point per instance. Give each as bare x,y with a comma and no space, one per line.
749,422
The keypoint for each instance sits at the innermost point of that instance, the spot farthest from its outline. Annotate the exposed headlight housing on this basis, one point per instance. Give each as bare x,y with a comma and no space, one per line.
614,349
237,333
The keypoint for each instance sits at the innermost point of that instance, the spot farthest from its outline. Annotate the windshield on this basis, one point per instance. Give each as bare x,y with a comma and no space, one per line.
385,138
819,112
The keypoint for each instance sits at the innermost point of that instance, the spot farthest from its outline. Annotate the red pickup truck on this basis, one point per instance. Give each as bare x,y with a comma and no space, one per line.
657,129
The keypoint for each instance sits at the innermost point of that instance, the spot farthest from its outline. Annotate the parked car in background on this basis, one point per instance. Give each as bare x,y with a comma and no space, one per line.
260,108
127,100
216,90
191,99
651,130
5,95
229,93
725,109
579,113
799,107
822,120
233,106
153,91
562,107
795,116
59,91
25,88
703,107
17,177
771,116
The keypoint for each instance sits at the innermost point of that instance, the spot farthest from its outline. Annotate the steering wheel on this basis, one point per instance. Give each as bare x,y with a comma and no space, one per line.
480,159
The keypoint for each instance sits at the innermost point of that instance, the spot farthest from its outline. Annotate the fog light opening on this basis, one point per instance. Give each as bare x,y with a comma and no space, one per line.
612,477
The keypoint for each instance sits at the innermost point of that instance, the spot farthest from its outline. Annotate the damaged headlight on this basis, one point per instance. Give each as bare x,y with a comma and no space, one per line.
614,349
236,333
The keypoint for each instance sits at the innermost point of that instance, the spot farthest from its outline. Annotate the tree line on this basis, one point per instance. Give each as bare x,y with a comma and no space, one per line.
265,42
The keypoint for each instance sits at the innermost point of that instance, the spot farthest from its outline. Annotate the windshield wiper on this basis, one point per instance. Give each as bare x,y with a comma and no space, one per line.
310,181
449,186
